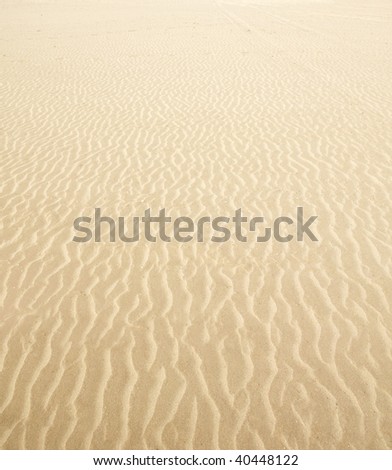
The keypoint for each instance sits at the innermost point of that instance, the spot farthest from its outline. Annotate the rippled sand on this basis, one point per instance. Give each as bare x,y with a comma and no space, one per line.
201,107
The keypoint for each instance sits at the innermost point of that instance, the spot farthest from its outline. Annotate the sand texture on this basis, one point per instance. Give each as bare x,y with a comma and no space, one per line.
200,107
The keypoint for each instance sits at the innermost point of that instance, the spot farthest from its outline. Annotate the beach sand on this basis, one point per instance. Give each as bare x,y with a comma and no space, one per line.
200,107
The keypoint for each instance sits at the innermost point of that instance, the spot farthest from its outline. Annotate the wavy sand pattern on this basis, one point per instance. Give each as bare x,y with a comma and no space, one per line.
202,107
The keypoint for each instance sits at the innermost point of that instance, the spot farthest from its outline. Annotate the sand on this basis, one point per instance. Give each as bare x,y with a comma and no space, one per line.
201,107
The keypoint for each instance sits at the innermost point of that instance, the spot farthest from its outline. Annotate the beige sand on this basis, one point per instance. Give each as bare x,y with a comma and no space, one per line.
202,107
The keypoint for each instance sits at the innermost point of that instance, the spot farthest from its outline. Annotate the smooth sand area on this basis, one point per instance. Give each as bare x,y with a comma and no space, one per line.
201,107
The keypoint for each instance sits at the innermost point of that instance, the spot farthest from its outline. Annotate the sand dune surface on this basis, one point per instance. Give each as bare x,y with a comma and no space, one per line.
200,107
